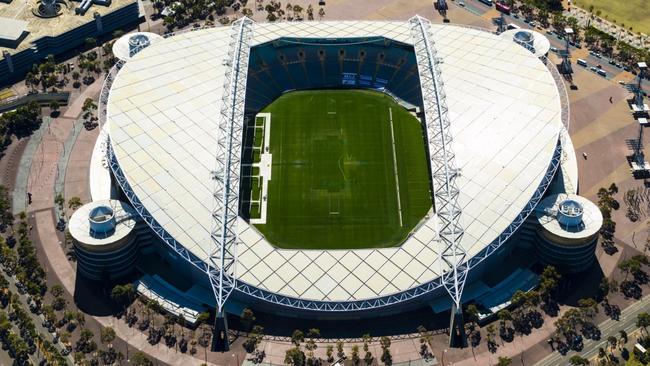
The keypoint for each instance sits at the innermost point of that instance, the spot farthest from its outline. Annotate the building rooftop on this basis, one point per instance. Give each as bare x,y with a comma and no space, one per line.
38,27
551,210
505,113
11,29
87,224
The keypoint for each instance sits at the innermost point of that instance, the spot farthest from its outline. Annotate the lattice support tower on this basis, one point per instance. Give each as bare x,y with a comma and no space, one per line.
443,169
223,251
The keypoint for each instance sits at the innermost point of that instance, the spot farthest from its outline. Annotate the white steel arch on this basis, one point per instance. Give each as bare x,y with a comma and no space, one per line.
223,254
441,159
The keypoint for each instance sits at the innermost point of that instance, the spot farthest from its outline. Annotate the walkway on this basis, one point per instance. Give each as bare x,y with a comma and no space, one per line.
43,174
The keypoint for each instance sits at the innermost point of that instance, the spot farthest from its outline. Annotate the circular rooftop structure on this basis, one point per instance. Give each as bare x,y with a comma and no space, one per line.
131,43
99,225
570,217
568,231
505,111
534,41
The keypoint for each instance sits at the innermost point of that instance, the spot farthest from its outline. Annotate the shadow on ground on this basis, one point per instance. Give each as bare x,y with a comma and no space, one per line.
93,297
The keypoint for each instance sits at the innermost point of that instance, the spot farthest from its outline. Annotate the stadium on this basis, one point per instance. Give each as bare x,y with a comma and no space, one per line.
323,171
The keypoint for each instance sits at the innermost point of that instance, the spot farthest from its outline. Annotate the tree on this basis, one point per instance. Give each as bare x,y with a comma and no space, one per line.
54,106
107,335
57,290
297,337
321,13
472,313
88,107
386,357
123,294
577,360
588,306
355,355
59,303
140,359
330,353
294,356
74,203
310,12
504,361
90,42
643,321
247,318
340,353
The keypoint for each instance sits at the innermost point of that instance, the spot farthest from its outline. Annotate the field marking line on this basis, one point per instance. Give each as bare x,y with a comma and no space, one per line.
392,138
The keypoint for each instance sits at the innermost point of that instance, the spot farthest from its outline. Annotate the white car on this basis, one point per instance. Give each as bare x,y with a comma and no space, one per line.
554,49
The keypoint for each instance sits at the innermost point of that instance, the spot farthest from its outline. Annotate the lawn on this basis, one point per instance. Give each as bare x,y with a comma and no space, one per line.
634,13
333,184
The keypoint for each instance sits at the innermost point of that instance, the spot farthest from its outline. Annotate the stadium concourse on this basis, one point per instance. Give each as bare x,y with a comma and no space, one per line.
161,113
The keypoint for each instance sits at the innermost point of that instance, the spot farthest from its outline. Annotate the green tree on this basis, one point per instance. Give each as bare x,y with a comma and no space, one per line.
355,355
90,42
297,337
294,356
643,321
74,203
504,361
107,335
577,360
123,294
140,359
386,356
247,318
330,353
57,290
321,13
54,106
340,352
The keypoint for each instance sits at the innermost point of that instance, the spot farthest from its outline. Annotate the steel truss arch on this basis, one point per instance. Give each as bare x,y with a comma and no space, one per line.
442,161
224,236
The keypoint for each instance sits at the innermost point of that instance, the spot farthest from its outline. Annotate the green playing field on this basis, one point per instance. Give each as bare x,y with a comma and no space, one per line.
333,183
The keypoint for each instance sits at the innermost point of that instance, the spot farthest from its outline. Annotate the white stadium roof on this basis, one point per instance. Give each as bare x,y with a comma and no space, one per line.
505,114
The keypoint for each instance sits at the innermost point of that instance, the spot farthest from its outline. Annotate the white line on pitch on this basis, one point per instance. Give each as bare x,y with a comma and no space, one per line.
392,137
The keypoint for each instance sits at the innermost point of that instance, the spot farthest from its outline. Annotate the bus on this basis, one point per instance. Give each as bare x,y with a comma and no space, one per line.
486,2
502,7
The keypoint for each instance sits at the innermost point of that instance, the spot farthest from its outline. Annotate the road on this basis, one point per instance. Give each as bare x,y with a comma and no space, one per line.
608,328
479,8
37,319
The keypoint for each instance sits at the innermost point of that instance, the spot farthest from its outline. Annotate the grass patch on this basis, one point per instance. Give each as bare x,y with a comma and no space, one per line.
256,188
257,156
255,170
259,121
632,13
255,210
259,137
333,184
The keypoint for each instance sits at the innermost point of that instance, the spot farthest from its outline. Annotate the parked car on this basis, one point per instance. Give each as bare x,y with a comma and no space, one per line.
554,49
594,69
